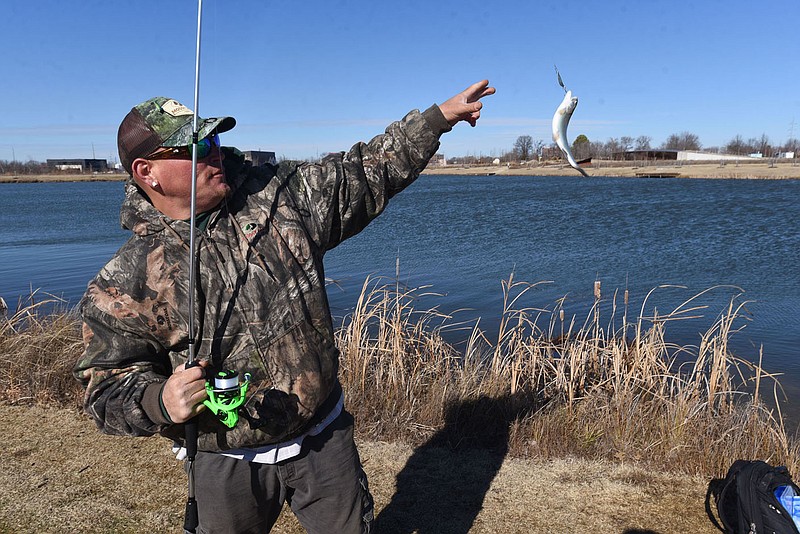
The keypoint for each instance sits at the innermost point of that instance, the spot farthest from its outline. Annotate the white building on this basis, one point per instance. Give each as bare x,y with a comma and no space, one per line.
691,155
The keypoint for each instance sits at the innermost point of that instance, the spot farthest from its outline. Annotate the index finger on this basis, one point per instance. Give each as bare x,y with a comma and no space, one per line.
479,89
200,365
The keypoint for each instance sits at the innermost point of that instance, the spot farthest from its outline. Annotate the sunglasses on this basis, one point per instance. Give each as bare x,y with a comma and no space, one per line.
204,148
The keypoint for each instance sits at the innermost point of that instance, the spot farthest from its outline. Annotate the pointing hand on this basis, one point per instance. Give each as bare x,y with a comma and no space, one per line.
466,105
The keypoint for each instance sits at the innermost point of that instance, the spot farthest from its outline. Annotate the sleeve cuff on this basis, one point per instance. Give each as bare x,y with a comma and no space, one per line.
436,121
153,406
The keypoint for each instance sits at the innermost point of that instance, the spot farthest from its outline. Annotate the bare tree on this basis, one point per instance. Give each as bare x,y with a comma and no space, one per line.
613,146
643,142
765,146
682,141
22,167
758,145
690,141
538,145
737,146
523,147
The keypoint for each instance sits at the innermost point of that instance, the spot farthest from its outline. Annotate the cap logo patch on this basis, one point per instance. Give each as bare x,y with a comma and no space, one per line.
175,108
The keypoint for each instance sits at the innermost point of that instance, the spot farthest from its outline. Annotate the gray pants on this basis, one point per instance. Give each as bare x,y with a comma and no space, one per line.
325,487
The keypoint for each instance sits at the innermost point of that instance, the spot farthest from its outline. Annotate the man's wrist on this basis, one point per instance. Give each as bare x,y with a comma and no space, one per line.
153,404
436,120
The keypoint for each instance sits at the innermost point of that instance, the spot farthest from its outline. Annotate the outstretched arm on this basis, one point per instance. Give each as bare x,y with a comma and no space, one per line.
345,191
466,105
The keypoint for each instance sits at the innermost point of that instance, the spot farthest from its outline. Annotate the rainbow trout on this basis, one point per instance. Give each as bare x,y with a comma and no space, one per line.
560,123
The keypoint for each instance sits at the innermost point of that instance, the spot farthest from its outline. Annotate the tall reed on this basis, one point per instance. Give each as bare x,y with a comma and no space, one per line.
558,387
39,343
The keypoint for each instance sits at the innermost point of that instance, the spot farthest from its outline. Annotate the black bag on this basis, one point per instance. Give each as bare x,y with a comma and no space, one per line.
746,502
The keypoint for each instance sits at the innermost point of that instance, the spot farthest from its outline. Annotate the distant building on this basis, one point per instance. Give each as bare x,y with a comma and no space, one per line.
673,155
438,160
550,152
259,158
633,155
691,155
78,165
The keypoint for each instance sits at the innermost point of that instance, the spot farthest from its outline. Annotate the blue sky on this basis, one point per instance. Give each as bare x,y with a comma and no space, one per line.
305,78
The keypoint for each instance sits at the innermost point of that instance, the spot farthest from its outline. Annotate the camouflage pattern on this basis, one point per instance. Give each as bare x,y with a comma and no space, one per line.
261,302
172,121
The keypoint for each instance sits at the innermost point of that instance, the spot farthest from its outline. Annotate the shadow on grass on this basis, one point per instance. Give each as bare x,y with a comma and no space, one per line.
442,486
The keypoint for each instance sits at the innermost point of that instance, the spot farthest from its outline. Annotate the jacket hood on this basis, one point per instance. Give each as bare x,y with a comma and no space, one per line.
137,213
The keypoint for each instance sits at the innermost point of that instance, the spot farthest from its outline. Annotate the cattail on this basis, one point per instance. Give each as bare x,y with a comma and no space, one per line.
597,289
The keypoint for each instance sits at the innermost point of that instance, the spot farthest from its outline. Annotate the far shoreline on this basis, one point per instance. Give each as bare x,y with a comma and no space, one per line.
750,170
753,170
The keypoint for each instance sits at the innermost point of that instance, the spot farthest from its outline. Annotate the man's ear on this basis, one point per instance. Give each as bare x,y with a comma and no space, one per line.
141,170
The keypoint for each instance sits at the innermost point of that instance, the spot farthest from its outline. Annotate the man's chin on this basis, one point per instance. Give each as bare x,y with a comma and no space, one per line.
223,193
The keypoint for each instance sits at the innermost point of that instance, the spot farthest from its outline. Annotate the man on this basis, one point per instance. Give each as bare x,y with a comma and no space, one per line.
261,308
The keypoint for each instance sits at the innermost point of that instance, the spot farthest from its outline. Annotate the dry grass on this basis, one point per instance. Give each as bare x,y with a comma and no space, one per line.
548,386
37,352
556,423
58,474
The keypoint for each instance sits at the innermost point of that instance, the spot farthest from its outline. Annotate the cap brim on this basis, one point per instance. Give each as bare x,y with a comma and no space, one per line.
183,136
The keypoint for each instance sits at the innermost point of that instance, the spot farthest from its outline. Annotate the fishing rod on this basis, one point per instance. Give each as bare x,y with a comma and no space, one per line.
191,520
225,393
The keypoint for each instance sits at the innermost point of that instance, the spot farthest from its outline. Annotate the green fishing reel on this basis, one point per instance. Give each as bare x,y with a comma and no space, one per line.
225,395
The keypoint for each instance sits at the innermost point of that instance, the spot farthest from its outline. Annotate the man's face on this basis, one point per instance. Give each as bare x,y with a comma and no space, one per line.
174,177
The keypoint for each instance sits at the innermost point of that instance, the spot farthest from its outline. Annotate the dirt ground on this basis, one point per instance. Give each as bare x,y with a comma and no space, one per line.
59,474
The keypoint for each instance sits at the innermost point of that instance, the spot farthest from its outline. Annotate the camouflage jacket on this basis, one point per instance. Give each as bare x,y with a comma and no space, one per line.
261,303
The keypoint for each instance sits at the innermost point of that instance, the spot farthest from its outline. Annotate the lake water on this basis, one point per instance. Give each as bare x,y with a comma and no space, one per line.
463,235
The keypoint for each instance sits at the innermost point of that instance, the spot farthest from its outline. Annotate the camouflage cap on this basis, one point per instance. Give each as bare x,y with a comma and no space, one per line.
161,121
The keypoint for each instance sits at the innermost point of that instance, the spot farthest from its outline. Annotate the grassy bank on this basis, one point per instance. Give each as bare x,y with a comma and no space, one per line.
551,424
743,169
51,178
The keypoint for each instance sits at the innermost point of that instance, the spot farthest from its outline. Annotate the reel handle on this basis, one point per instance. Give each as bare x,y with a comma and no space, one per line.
191,519
190,426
